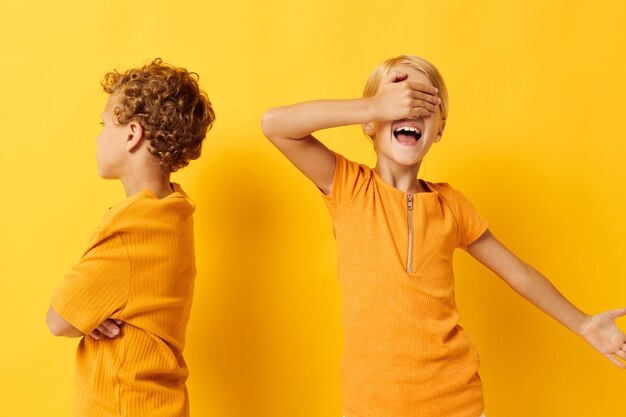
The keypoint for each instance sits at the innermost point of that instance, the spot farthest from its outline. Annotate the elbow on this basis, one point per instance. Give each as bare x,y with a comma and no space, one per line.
54,327
58,326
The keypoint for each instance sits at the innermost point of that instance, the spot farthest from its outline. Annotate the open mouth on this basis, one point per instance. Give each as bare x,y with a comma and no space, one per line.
407,135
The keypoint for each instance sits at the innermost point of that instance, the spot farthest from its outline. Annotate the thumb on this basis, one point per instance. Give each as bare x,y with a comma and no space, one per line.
396,76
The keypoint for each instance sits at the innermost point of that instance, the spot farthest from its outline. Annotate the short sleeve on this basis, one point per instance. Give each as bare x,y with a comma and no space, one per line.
470,223
349,179
97,287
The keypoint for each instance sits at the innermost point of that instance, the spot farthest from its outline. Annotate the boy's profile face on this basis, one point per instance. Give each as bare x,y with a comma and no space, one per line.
111,151
407,141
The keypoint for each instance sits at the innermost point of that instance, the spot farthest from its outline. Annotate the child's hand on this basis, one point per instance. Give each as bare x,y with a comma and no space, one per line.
109,328
601,332
398,99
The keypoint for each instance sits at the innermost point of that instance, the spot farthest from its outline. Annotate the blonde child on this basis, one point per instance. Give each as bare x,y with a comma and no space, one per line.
132,288
405,354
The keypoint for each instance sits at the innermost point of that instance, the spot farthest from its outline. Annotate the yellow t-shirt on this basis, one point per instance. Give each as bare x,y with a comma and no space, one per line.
405,354
139,267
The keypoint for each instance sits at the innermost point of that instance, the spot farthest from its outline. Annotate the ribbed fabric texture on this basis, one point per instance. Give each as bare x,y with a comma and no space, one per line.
139,267
405,354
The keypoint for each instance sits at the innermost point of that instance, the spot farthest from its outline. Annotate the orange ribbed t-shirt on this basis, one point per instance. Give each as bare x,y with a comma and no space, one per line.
139,267
405,354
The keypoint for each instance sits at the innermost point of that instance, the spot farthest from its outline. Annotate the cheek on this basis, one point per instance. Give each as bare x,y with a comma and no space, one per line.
99,145
101,136
432,123
378,142
382,130
102,148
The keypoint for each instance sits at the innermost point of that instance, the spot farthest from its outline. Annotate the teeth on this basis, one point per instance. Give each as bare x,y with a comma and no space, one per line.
407,129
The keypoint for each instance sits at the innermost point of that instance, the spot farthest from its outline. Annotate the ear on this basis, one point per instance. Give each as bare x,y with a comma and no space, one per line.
368,128
134,137
442,125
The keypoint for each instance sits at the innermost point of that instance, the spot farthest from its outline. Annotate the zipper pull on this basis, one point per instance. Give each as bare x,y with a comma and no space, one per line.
410,201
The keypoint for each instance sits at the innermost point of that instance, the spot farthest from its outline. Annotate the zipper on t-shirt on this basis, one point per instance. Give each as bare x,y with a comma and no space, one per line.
409,203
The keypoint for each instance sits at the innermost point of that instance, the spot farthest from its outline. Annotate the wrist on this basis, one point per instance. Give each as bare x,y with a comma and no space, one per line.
369,109
582,325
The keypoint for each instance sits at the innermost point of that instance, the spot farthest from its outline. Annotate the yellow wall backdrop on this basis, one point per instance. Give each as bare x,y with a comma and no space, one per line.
534,139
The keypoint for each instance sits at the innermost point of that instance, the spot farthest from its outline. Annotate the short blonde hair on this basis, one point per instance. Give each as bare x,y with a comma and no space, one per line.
420,64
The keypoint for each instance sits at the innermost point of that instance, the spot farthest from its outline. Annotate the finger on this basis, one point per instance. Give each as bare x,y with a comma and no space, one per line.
424,88
394,76
426,97
424,104
109,328
615,361
618,313
621,354
118,322
399,76
416,112
103,330
95,334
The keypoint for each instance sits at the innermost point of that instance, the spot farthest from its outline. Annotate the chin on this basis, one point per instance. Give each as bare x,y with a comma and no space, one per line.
410,163
106,175
407,160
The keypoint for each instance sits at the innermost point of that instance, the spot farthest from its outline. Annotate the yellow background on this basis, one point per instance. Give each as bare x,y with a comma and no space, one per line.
534,139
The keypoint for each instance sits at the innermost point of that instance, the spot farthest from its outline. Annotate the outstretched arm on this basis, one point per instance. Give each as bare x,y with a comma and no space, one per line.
290,128
600,330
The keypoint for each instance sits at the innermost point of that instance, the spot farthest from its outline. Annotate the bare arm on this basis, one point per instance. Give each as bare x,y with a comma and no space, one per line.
599,330
60,327
290,128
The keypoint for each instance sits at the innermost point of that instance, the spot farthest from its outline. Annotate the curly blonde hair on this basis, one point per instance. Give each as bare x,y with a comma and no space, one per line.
170,106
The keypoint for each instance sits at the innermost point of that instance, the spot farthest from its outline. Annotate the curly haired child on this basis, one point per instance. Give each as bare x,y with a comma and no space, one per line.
132,288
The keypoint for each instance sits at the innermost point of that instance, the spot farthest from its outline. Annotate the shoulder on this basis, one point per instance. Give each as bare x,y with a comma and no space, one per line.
450,196
144,210
460,205
445,190
346,165
350,178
